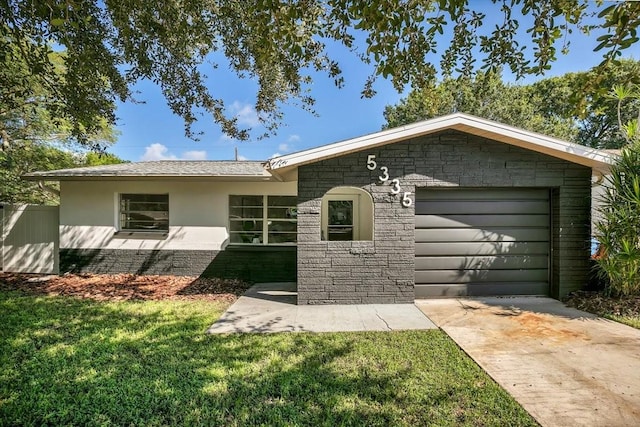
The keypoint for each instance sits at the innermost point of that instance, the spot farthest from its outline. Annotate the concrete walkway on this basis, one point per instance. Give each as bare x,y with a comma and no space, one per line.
270,307
565,367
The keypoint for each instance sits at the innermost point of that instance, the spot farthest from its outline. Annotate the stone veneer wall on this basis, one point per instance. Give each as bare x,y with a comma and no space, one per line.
255,264
382,270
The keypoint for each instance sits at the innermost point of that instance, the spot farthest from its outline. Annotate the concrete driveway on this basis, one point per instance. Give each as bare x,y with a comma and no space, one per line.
565,367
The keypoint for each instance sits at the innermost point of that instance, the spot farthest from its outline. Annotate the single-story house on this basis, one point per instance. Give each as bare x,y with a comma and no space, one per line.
455,205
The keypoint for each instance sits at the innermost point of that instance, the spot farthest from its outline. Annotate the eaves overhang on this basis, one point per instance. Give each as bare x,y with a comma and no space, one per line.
598,160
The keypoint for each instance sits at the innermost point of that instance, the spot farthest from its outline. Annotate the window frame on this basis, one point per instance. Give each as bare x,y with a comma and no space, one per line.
363,213
120,212
355,209
266,221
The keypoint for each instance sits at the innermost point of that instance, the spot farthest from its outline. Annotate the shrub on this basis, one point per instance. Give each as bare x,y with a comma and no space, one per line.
618,231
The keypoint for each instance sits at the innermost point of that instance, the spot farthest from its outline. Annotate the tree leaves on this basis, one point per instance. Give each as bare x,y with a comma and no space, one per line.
485,95
621,19
279,44
29,156
33,108
569,107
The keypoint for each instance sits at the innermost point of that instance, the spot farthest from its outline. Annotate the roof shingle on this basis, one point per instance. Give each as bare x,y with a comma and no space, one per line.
162,168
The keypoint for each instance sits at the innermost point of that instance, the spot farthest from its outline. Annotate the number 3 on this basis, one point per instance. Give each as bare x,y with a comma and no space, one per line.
385,174
395,186
371,162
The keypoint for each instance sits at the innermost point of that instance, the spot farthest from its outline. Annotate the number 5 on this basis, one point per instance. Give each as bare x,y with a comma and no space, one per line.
371,162
406,199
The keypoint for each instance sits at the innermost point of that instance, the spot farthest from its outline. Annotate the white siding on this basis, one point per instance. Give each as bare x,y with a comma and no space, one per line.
198,212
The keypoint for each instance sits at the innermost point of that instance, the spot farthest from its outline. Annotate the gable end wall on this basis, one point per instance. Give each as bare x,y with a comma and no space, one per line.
382,270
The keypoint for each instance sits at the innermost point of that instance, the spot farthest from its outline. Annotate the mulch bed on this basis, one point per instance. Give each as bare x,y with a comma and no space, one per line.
598,303
121,287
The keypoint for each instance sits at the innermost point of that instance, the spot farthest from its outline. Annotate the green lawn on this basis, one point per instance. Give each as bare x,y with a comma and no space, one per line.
66,361
633,321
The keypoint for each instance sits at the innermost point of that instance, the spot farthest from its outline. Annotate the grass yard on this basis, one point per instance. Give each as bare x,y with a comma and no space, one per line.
633,321
68,361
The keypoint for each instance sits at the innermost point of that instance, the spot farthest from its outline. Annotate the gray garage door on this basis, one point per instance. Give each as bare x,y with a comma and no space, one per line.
482,242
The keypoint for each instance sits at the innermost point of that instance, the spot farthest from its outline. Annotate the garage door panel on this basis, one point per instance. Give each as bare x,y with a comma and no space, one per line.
480,276
482,248
489,234
480,289
482,194
479,262
486,220
482,242
486,207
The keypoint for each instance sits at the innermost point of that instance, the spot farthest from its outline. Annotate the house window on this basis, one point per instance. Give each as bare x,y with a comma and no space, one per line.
263,220
347,214
144,212
282,219
340,220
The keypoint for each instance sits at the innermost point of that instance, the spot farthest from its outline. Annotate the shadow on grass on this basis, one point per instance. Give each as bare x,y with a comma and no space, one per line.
69,361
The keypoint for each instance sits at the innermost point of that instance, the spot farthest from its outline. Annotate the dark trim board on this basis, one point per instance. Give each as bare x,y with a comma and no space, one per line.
479,241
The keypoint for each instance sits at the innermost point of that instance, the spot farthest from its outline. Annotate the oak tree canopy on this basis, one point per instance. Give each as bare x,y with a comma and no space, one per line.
107,46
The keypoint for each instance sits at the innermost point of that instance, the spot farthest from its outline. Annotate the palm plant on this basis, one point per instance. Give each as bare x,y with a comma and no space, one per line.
618,230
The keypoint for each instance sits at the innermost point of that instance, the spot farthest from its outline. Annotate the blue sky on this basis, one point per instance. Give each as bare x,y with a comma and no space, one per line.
149,131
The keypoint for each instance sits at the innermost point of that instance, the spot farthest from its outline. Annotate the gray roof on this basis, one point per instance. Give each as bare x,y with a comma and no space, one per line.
161,169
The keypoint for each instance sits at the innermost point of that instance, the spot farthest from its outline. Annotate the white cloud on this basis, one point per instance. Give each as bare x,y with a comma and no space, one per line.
159,151
194,155
245,113
241,157
275,155
284,147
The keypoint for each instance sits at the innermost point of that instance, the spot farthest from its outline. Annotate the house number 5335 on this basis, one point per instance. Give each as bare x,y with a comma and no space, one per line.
384,177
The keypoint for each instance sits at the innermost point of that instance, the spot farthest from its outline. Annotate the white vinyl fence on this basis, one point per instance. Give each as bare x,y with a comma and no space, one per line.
30,239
